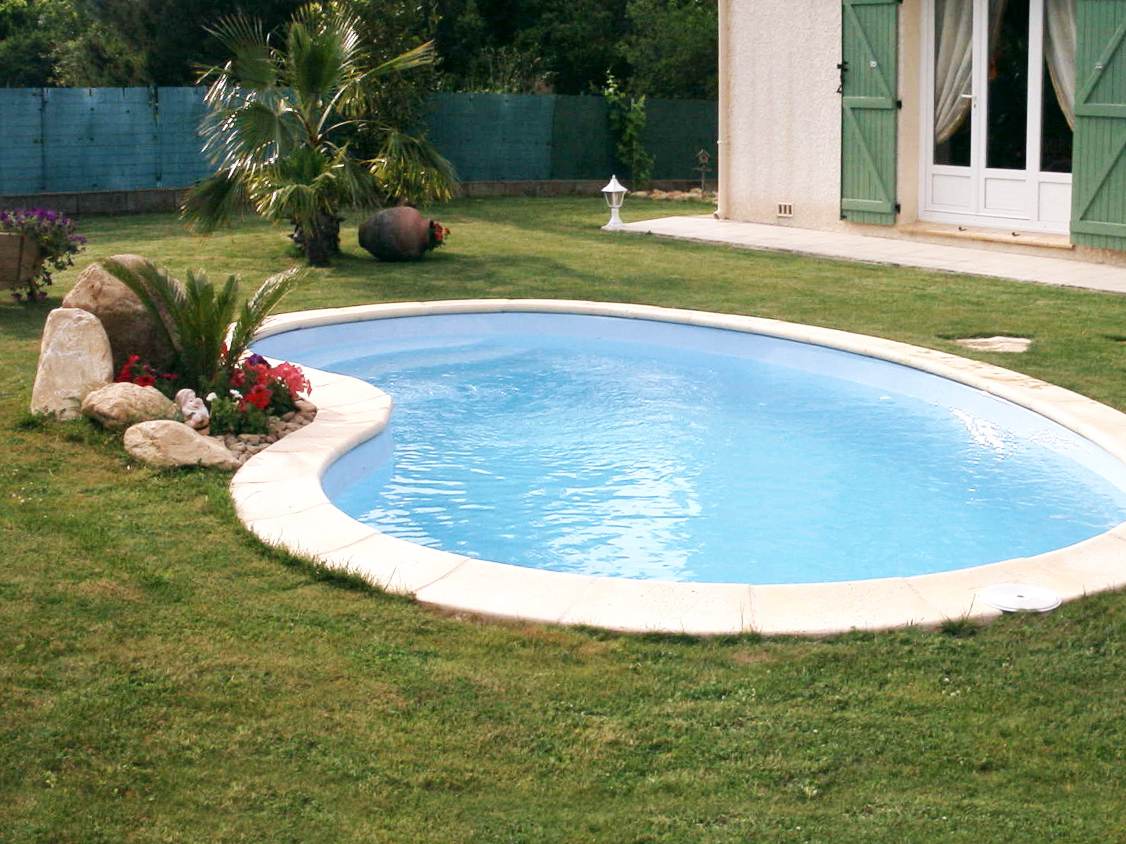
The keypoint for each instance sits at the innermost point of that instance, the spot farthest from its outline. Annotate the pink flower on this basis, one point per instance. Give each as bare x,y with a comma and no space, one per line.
292,376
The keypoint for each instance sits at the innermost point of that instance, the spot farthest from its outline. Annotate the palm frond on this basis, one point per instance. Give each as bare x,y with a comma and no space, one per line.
252,64
411,170
255,310
321,60
157,291
205,314
214,202
421,55
301,203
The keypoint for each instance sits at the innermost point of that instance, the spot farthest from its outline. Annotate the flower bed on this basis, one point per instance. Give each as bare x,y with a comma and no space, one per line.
245,446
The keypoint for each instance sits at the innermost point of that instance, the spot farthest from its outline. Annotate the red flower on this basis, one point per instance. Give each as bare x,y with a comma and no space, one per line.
259,396
237,378
126,372
145,380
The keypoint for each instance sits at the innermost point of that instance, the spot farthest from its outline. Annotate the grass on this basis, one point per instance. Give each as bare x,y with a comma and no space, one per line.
166,678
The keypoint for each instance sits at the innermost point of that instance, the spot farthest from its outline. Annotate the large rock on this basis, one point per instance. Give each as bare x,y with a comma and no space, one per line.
74,359
121,405
168,443
131,328
399,234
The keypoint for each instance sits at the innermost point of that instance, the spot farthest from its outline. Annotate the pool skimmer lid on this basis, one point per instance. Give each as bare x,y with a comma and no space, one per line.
1019,597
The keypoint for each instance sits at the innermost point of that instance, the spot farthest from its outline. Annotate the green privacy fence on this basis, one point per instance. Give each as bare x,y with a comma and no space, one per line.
55,140
501,137
95,139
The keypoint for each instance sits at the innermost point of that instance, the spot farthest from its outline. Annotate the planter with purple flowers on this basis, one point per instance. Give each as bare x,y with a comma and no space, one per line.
33,244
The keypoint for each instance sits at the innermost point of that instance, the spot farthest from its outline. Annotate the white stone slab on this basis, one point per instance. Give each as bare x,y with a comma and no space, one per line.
487,588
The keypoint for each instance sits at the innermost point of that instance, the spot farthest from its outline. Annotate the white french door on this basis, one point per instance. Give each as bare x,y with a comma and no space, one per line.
999,91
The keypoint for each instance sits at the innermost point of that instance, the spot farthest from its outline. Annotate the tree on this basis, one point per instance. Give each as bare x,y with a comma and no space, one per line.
25,45
578,41
673,49
573,45
284,109
164,40
92,43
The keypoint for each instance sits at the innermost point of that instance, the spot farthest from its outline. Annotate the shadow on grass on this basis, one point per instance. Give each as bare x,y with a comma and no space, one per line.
23,321
353,278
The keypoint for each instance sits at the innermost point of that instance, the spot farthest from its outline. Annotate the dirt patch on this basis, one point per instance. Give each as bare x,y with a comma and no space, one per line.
996,344
108,590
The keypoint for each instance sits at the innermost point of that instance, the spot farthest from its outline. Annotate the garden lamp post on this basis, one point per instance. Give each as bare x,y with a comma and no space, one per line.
615,195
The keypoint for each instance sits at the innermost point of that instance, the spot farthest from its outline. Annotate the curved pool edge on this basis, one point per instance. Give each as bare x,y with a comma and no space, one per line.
278,496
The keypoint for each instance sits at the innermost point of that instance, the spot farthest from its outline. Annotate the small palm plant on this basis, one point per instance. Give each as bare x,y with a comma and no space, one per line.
208,329
282,110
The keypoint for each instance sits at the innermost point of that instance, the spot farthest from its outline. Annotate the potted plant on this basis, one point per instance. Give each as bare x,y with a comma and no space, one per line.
33,244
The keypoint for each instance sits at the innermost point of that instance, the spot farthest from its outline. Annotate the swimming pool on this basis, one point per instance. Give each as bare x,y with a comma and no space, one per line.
351,412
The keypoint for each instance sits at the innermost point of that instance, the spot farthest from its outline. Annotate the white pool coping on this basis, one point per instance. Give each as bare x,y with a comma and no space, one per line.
278,496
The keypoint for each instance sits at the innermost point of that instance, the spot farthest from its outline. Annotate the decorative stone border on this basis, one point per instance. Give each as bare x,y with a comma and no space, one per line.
278,496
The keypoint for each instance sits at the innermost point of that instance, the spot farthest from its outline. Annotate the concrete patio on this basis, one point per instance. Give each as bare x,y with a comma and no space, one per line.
1061,272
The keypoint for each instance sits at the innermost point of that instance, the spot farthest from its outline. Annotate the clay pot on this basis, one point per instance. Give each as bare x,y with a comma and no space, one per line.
399,234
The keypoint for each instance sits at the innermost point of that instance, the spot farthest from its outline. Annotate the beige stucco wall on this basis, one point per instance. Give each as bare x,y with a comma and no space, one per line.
910,92
781,111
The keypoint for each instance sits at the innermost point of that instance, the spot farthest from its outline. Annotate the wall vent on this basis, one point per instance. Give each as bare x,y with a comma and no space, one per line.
785,209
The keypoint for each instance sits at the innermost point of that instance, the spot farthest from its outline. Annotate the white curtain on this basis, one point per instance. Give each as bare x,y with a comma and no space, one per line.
953,70
953,66
1060,40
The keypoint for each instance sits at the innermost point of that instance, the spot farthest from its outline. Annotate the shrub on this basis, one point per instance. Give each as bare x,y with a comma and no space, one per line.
210,332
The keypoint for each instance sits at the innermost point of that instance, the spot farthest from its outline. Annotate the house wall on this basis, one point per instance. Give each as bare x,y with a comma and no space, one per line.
911,92
780,126
781,113
781,117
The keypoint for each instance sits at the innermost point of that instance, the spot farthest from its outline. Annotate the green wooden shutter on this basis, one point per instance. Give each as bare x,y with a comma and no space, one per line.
869,110
1098,191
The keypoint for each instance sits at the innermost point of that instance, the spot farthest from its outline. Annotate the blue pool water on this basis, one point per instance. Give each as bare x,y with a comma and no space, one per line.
630,448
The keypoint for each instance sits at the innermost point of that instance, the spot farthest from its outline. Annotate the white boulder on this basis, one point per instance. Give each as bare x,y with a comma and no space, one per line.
170,443
131,328
74,359
123,404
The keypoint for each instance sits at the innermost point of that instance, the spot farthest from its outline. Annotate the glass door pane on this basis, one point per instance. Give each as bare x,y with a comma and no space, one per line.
1058,93
1007,122
953,81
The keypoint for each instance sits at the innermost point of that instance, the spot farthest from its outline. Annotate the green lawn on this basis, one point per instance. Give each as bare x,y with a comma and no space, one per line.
164,677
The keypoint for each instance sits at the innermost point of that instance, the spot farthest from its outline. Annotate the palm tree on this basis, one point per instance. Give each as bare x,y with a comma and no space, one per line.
281,109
